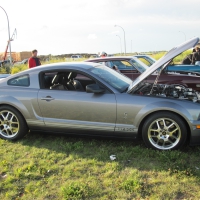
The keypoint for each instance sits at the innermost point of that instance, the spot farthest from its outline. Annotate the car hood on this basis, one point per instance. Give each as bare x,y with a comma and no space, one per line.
163,60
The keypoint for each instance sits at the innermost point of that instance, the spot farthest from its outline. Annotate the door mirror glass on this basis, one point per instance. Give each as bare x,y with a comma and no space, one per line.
94,88
197,63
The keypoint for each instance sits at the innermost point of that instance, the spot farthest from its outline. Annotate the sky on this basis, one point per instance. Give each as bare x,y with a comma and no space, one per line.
88,26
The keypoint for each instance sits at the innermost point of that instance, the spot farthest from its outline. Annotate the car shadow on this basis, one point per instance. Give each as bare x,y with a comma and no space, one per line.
129,153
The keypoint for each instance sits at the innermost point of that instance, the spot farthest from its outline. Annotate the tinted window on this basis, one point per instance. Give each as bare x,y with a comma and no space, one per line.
145,61
20,81
106,63
113,78
139,65
123,64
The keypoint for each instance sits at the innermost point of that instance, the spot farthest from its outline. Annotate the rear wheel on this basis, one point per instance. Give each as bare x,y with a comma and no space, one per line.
12,124
164,131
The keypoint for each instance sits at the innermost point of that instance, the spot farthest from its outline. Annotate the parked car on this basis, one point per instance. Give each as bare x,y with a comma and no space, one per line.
133,67
25,61
148,60
2,76
90,98
76,56
4,63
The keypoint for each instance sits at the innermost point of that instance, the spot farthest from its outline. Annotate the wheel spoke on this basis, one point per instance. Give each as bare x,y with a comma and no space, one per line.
7,115
14,123
11,118
11,131
174,137
158,125
171,133
164,123
170,125
154,130
4,131
170,141
154,136
3,116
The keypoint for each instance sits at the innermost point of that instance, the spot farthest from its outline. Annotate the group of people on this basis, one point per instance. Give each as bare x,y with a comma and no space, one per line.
192,58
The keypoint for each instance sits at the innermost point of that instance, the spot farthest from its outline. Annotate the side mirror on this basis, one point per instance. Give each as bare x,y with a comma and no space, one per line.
94,88
197,63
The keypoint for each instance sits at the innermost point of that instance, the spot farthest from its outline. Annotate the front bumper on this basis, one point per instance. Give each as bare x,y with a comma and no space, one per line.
195,136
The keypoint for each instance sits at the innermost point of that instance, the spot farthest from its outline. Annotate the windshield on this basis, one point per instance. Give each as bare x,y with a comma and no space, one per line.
150,59
113,78
138,64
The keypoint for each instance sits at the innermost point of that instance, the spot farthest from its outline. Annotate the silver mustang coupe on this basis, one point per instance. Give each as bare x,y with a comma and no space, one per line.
90,98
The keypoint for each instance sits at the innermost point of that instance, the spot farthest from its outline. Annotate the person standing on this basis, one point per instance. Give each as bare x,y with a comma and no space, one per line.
103,54
188,59
34,61
196,56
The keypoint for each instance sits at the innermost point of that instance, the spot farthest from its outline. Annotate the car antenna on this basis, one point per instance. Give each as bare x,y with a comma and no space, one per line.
159,73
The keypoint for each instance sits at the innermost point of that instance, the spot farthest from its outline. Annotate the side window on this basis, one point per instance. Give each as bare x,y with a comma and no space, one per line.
123,64
23,81
145,61
106,63
65,80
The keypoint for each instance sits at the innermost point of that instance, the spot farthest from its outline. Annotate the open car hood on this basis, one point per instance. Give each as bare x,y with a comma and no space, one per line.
163,60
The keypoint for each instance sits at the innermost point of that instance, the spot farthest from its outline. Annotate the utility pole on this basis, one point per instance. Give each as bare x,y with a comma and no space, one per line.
8,35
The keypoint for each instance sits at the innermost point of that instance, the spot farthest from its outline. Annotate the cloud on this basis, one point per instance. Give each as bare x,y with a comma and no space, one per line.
113,32
92,36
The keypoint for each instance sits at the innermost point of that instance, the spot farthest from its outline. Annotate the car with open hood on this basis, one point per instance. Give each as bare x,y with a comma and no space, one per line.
132,67
88,98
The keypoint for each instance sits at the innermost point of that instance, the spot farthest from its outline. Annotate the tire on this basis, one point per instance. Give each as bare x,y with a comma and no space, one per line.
12,124
164,131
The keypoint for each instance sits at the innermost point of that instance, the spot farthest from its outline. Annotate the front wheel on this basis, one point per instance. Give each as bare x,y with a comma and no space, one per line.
164,131
12,124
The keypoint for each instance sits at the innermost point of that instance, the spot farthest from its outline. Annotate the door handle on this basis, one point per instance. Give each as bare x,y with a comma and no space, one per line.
47,98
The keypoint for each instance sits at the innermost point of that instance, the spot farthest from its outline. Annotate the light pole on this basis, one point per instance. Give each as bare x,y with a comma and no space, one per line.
8,35
124,39
120,43
183,34
131,46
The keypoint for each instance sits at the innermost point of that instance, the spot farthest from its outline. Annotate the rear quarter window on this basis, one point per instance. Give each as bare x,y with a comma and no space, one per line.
23,81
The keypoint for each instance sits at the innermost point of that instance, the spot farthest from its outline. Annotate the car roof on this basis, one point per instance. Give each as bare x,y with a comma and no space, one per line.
111,58
66,65
56,66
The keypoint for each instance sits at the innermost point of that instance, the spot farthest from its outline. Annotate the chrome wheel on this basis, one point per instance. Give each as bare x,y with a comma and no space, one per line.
9,124
164,133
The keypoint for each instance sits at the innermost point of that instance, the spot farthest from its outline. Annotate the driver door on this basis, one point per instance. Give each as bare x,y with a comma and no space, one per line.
77,111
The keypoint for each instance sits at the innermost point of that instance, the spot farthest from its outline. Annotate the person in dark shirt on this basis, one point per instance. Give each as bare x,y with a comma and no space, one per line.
34,61
188,59
196,56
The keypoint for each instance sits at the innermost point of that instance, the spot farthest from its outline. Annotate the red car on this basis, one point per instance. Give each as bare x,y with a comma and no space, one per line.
133,67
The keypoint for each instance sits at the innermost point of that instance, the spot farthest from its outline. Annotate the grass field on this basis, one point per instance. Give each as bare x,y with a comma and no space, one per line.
62,167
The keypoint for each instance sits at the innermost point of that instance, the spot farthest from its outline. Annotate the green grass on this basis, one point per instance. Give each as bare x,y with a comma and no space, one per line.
16,69
61,167
177,59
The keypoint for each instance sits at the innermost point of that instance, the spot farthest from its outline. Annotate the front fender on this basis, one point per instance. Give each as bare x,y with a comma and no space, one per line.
162,106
